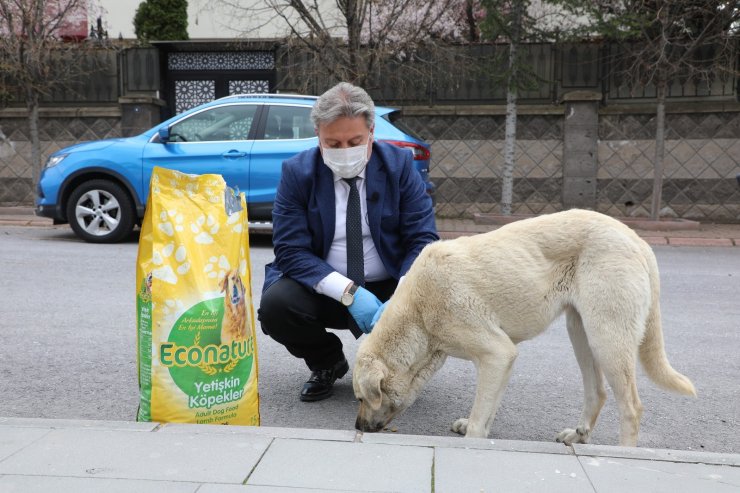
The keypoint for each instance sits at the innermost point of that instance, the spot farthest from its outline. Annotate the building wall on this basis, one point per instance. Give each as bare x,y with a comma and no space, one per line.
206,19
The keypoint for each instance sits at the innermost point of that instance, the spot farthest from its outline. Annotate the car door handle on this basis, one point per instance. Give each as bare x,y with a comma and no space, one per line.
233,154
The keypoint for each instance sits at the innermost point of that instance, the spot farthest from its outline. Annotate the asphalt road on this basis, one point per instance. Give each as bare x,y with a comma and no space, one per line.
68,351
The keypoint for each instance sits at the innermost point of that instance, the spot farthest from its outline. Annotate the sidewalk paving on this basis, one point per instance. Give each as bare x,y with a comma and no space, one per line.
38,455
706,234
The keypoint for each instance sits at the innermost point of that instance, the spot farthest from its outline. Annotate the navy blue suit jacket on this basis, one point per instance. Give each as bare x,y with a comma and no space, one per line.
399,213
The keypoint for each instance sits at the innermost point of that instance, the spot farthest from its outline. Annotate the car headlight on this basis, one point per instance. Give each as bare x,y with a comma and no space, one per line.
54,160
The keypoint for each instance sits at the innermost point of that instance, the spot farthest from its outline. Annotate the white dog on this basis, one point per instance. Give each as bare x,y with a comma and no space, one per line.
477,297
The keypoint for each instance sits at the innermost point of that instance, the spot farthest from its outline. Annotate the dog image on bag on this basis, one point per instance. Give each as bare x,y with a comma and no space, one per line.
234,324
477,297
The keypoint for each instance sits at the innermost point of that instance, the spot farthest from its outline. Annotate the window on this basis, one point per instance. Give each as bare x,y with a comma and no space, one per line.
289,122
231,122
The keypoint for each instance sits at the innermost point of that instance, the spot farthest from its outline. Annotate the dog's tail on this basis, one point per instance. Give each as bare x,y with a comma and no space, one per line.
652,350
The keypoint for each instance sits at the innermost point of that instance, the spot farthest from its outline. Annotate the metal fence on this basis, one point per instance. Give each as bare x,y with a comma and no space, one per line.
454,75
140,70
704,83
94,79
475,74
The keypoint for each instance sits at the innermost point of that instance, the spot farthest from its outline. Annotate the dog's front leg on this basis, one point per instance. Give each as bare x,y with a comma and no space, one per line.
493,370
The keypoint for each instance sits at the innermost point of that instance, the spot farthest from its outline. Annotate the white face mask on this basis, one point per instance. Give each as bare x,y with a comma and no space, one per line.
346,163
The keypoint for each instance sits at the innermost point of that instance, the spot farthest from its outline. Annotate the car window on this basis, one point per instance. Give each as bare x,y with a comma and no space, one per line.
289,122
231,122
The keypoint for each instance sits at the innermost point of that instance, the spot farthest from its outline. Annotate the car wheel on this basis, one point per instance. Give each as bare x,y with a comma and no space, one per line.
100,211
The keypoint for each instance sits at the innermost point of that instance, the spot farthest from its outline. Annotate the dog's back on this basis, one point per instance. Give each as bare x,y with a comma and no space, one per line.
518,266
530,271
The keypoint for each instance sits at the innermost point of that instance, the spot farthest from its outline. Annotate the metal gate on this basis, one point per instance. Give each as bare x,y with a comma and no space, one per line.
194,78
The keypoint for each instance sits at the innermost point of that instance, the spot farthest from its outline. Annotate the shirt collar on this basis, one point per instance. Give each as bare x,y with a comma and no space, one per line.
361,175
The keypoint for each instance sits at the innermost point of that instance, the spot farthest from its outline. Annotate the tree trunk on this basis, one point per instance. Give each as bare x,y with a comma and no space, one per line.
32,104
473,34
507,185
659,149
352,18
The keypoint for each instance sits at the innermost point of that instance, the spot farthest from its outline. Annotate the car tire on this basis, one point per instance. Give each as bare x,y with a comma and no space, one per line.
101,211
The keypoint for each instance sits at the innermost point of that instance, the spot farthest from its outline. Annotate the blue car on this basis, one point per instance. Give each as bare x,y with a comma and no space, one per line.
100,188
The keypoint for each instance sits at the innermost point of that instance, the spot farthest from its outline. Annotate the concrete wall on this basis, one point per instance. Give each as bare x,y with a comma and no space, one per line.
579,153
582,154
62,127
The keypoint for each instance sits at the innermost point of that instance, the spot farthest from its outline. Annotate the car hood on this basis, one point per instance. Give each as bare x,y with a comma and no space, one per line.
95,145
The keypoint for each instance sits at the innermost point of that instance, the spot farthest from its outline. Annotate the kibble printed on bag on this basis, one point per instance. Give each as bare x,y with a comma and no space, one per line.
197,358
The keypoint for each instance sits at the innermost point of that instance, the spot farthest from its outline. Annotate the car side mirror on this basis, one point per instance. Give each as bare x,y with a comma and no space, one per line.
164,134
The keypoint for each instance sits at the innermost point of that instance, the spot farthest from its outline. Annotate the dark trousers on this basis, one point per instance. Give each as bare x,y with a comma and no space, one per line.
297,317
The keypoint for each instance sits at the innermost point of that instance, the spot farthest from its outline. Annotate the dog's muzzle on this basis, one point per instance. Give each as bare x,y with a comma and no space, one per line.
362,425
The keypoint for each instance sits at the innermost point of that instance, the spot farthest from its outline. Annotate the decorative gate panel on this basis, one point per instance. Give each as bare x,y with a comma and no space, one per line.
195,78
191,93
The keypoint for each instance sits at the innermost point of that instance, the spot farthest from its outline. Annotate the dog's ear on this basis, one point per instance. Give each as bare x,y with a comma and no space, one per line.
369,383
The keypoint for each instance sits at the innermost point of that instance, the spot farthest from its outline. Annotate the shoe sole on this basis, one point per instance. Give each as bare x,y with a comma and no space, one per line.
314,398
340,373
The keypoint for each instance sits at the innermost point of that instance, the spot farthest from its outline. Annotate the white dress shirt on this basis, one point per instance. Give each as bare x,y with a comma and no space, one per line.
335,283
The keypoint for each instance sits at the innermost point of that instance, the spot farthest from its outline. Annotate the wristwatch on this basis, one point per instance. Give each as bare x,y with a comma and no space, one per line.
349,296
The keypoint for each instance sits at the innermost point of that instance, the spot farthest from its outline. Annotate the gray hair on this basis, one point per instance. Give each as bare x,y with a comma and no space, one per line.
346,100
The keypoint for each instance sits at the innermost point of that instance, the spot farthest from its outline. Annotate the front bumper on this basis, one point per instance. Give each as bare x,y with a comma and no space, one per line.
52,211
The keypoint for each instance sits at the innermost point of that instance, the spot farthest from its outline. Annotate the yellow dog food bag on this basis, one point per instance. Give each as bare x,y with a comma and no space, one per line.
197,355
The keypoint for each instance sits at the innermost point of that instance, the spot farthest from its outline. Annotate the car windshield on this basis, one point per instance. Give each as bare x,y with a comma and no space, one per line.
230,122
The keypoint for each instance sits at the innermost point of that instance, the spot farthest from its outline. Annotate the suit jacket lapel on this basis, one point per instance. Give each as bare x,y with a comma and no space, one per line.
375,194
325,200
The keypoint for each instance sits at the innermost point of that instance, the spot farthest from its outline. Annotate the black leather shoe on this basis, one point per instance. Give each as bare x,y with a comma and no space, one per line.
320,385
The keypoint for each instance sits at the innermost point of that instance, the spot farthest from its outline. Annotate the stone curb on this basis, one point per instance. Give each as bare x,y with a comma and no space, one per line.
651,240
632,222
19,221
24,217
581,450
20,210
702,242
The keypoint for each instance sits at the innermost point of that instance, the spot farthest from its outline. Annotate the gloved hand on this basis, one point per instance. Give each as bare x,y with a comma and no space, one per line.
378,313
363,308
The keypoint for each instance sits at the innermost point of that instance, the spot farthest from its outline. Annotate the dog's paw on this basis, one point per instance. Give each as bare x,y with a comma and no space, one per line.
460,426
570,436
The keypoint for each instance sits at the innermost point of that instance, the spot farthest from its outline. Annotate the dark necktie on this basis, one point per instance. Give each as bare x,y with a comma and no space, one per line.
355,255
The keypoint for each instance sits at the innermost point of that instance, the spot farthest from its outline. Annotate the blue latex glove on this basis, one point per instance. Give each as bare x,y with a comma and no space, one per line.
363,308
378,313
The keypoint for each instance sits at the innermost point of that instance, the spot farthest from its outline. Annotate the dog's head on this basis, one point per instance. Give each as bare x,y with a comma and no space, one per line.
382,395
376,408
233,288
392,364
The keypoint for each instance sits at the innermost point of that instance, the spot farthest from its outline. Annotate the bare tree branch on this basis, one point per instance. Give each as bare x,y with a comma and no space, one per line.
35,59
354,39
